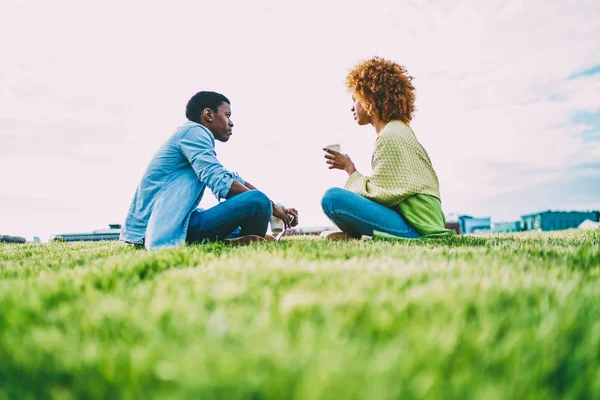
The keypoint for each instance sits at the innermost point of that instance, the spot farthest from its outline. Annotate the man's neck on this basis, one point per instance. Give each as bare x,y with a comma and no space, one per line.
203,123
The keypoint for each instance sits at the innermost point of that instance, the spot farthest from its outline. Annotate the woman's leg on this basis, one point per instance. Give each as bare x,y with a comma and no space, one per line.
357,215
250,211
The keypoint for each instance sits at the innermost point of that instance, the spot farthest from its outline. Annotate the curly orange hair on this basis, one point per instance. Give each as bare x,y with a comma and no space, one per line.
384,88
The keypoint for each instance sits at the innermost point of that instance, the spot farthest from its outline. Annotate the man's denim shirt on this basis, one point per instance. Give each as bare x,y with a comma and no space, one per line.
172,188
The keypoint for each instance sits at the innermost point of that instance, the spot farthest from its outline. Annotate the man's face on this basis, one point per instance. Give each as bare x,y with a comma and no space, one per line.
360,115
221,125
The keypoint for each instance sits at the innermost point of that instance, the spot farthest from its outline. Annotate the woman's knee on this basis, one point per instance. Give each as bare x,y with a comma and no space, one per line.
332,197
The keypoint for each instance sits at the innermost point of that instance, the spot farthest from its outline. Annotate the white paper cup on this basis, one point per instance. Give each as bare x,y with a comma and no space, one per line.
334,147
276,225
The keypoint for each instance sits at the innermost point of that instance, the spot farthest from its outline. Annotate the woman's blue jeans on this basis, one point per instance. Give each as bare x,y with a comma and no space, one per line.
247,213
357,215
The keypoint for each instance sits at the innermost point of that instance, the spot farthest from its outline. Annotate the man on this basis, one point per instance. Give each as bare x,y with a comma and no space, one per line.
164,210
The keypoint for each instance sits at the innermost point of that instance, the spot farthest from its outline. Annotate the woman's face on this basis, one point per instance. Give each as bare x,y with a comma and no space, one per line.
360,115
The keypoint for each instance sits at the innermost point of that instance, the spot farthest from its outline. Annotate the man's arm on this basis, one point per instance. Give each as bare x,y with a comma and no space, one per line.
289,216
197,146
237,188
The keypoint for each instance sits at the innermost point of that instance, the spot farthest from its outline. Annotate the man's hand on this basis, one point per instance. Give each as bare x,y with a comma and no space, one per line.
279,212
288,216
338,160
293,213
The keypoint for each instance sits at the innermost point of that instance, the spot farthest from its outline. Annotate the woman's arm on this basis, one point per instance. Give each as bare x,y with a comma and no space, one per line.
387,183
341,161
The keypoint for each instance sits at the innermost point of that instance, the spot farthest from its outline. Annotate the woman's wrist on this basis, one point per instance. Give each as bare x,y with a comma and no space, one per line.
350,169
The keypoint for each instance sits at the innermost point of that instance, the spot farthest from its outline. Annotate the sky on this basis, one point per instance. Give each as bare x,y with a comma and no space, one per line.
508,100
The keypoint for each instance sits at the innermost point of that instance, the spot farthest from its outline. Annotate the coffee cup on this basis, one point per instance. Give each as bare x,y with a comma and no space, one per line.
276,225
334,147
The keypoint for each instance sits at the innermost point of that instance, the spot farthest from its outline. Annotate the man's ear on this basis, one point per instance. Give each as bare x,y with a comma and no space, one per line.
208,114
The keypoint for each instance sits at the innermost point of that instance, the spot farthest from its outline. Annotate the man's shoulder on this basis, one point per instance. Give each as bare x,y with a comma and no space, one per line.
191,126
193,130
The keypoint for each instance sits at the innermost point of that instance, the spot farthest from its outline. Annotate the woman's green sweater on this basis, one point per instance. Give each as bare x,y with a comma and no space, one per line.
403,179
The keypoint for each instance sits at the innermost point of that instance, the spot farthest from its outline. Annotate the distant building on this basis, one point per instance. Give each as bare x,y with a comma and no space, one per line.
556,220
12,239
100,234
500,227
453,226
469,224
452,223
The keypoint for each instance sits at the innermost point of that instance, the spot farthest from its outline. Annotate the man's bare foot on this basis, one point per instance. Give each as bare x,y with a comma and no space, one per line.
244,240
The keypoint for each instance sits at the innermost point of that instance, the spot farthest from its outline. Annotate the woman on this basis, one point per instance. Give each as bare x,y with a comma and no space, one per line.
401,198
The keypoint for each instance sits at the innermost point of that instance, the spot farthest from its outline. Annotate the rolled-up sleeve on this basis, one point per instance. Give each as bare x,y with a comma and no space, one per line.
238,178
198,146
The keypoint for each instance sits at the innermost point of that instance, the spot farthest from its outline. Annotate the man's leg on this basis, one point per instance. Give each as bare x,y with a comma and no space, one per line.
357,215
249,211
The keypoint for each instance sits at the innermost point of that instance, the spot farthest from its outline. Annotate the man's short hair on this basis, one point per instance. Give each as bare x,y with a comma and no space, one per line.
201,101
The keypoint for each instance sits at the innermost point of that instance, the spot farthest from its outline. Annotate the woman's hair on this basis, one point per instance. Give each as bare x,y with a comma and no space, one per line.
384,88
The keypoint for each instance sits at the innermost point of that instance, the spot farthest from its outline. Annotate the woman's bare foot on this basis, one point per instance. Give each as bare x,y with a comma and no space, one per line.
336,236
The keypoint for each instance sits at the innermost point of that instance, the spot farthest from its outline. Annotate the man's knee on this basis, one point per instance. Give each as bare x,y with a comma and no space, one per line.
330,198
260,203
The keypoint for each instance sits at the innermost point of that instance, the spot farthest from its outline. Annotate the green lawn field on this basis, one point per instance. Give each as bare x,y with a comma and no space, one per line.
471,317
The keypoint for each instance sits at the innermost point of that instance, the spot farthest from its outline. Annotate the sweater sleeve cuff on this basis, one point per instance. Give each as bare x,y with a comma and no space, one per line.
355,182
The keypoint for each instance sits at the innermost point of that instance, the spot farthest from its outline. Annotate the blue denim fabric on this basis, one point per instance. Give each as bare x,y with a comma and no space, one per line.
173,186
247,213
357,215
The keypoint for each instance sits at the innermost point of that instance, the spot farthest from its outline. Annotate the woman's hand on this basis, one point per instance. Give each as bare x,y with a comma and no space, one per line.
339,161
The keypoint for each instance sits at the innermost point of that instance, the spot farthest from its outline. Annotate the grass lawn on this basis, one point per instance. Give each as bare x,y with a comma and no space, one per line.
482,317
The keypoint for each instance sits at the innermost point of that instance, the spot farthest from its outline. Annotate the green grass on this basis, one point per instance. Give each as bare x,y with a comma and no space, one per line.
506,316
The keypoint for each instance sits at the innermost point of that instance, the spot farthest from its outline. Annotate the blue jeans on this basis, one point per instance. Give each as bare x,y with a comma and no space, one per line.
247,213
357,215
